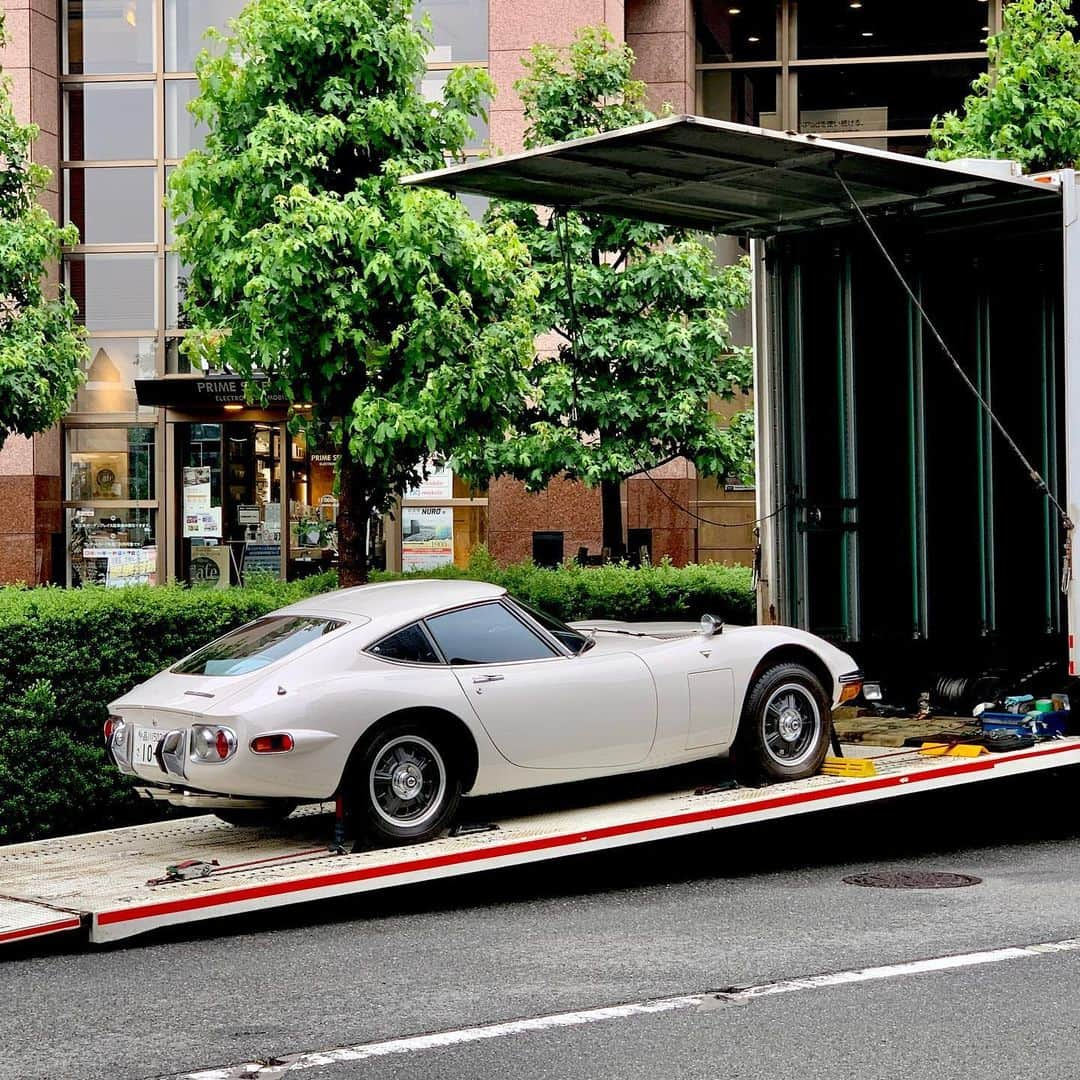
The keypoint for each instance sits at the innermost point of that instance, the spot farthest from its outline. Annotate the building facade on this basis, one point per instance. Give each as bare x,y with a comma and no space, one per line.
181,479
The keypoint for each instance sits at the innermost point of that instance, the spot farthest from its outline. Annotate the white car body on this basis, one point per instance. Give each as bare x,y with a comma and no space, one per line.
644,697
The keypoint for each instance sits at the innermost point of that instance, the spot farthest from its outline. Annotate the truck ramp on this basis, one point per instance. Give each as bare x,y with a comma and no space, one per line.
114,884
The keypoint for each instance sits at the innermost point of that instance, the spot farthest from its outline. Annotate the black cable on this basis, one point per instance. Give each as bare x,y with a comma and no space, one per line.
1035,475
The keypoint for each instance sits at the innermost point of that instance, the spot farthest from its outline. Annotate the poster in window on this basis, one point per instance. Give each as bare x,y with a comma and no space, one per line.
209,567
427,537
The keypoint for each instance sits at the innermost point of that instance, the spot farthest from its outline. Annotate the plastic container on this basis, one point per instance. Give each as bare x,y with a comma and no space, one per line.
1044,704
1045,724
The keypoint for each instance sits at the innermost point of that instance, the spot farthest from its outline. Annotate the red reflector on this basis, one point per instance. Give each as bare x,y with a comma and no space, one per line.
108,729
1072,642
1072,667
272,744
221,745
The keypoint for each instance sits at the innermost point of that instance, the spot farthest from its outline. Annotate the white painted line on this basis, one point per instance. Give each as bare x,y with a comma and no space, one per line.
442,1039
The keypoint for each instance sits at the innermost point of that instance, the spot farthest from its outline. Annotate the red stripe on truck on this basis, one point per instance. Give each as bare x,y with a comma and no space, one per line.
345,877
43,928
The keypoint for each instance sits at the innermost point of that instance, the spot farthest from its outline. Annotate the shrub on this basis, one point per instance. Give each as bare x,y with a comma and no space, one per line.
65,654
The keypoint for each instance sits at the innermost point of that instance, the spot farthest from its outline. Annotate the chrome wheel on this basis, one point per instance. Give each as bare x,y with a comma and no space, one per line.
407,782
791,725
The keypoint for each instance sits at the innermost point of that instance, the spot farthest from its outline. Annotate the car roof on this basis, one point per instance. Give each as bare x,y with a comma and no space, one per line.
394,603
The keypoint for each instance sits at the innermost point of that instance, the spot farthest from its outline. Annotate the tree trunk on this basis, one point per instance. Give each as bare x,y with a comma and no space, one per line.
611,518
354,511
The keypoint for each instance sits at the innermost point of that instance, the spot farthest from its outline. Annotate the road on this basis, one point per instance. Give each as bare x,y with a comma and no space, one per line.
655,931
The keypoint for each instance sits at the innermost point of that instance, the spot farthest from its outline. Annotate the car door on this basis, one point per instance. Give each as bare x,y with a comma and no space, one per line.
544,708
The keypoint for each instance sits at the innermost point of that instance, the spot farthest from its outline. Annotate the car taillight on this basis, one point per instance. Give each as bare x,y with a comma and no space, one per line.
212,743
110,724
281,743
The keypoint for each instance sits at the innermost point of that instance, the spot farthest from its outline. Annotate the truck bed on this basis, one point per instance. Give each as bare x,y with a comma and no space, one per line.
105,886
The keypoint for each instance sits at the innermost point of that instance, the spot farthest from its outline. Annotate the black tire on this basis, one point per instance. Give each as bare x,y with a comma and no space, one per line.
786,724
404,786
265,817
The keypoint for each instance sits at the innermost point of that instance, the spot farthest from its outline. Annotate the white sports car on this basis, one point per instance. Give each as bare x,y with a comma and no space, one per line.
399,698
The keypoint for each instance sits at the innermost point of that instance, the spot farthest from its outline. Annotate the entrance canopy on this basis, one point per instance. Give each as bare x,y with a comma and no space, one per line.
728,178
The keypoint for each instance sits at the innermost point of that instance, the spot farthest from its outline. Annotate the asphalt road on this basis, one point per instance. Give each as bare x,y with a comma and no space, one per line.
742,908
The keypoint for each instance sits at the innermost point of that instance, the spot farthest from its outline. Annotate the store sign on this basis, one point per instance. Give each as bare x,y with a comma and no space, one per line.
262,559
427,537
209,567
185,392
438,485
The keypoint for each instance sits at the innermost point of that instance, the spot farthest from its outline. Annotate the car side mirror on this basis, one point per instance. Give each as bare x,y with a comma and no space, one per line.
711,625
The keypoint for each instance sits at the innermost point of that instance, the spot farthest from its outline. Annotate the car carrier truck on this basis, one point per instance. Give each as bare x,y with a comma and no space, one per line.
916,511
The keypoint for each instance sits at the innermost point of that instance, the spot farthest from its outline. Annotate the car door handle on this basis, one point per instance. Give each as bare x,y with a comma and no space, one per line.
488,678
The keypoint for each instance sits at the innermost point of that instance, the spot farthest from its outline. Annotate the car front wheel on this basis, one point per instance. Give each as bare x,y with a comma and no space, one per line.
405,787
785,728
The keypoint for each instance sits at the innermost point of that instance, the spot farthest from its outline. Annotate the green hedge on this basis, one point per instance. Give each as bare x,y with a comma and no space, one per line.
65,654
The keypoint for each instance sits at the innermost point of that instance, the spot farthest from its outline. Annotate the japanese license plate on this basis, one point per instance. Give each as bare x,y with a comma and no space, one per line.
144,746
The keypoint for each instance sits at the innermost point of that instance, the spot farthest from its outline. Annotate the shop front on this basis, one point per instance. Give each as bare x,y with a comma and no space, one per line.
212,491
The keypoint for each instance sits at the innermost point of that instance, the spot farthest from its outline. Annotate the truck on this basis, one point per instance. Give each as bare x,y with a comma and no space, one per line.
924,527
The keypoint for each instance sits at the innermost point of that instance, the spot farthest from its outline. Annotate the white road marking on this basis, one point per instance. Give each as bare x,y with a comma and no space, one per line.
443,1039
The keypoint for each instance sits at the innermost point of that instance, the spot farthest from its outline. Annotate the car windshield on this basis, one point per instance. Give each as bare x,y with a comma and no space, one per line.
256,645
569,637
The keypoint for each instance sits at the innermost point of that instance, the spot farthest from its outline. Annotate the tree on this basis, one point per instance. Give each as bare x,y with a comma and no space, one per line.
639,310
41,346
1027,105
315,274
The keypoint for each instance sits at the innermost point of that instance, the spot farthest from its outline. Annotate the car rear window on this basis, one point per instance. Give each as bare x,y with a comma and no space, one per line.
256,645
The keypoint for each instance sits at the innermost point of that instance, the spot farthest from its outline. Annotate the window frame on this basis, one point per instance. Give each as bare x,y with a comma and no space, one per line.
440,660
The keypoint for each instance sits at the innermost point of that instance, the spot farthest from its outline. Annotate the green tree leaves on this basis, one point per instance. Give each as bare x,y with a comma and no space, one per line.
1027,107
396,316
643,337
41,347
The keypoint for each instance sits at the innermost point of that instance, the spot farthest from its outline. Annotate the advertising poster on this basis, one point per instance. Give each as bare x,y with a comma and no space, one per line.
125,566
200,518
427,537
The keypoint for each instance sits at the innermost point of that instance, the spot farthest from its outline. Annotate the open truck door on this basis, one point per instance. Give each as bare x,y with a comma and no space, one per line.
893,517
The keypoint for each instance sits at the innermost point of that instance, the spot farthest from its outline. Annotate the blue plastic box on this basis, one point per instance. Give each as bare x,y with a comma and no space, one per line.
1031,723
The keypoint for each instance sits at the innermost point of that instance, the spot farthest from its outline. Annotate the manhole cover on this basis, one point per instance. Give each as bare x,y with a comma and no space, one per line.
912,879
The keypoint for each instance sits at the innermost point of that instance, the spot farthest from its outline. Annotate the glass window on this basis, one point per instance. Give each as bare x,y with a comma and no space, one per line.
112,367
110,463
313,507
459,29
176,279
881,97
114,292
486,634
431,87
109,122
186,23
410,645
737,31
112,547
110,36
568,636
742,96
256,645
112,206
841,28
182,133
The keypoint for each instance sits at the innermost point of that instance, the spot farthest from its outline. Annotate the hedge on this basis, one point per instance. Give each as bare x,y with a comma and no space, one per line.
65,654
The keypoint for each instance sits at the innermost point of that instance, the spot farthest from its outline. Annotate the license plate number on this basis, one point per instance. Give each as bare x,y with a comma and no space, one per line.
144,749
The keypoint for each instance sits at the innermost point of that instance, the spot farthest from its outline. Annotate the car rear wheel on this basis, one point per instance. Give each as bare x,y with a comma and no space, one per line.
785,728
405,786
261,818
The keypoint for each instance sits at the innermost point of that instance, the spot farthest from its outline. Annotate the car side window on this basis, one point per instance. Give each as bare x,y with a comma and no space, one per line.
410,644
486,634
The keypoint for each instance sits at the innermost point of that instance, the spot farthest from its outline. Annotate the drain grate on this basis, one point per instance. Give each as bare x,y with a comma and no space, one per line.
912,879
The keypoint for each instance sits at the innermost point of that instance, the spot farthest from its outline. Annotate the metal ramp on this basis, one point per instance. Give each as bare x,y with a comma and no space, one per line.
108,884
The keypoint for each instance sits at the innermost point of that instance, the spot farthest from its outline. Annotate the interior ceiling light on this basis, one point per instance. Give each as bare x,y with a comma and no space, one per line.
986,27
855,4
734,11
753,40
868,33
